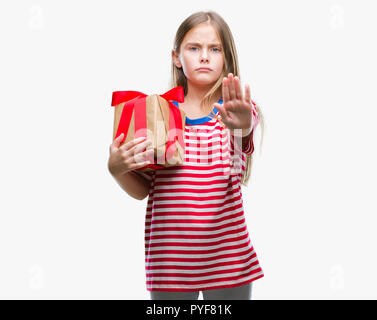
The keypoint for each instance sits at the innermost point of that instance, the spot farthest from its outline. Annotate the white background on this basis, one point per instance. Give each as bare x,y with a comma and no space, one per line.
68,231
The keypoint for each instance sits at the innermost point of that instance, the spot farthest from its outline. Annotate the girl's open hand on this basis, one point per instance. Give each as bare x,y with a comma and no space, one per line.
236,109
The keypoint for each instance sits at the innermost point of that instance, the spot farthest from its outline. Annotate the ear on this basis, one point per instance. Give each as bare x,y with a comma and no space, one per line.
176,60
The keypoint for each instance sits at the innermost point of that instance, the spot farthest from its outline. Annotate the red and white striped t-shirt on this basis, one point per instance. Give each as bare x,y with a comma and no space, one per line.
196,236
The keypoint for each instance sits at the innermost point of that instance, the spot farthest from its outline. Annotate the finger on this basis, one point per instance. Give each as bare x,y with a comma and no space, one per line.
222,110
138,148
232,90
117,142
141,157
218,107
139,165
130,144
226,96
238,88
247,94
149,154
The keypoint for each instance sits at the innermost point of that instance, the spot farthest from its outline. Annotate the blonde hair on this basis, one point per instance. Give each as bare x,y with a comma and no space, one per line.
230,66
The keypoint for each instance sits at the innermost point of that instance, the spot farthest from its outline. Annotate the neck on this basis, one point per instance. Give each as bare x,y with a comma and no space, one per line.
195,94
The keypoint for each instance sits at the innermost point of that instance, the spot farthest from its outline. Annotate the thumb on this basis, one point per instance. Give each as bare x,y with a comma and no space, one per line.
219,107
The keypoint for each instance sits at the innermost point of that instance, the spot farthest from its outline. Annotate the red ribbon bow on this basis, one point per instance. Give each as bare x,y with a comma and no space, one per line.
136,102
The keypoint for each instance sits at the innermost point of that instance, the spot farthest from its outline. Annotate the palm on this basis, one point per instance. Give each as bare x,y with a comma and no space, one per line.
236,109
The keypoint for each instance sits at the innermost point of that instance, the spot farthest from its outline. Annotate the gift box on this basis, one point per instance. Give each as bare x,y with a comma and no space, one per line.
156,118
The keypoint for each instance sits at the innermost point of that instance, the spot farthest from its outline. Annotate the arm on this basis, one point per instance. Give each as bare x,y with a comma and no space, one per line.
123,168
135,185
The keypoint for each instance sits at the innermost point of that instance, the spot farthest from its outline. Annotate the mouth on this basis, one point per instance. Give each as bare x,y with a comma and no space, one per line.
204,69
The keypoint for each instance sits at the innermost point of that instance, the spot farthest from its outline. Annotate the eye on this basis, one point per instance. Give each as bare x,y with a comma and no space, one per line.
218,50
193,48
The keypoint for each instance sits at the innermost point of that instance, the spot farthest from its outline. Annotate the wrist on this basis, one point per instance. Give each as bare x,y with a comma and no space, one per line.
116,173
240,132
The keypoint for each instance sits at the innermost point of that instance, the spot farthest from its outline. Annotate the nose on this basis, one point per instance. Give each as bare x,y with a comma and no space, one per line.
204,55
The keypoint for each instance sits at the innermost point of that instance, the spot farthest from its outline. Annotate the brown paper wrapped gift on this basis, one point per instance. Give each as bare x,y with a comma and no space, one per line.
156,118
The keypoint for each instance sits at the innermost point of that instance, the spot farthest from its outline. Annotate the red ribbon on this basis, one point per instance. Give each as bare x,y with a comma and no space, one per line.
136,102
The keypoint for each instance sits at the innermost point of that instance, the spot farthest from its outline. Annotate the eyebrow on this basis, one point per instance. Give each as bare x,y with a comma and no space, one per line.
199,44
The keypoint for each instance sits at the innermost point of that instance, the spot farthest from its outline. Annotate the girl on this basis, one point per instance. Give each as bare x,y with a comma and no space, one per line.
196,238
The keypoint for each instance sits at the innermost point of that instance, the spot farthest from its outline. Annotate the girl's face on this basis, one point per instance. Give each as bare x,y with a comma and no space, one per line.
201,48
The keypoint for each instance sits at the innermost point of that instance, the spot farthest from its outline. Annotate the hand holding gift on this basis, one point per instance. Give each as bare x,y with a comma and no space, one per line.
129,156
156,118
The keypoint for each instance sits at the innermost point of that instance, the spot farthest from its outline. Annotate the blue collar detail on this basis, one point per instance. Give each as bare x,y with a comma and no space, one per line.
200,120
